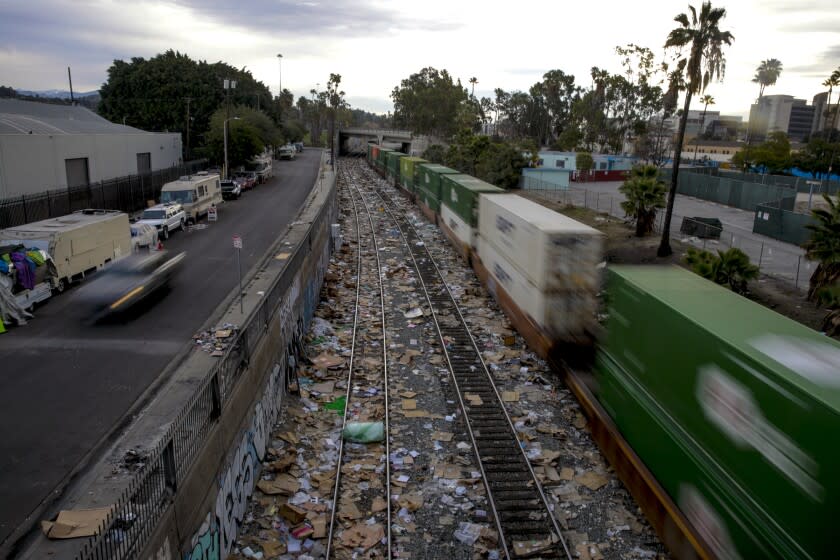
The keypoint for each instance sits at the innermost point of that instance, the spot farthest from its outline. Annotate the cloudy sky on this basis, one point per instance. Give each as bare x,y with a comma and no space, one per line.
374,45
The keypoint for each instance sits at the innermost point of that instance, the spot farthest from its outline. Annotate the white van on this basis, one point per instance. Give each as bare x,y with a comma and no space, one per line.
196,193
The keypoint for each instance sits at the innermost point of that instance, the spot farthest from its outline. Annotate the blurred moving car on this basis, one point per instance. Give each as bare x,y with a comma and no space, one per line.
127,282
142,236
231,190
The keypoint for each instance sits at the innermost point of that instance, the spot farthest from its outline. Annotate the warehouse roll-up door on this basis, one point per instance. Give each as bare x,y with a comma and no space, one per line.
144,163
77,172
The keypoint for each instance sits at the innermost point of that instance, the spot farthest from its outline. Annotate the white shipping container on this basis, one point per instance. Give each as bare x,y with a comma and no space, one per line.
553,251
458,226
562,315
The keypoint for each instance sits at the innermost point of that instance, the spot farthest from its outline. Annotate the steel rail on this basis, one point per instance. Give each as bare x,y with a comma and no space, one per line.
565,550
348,393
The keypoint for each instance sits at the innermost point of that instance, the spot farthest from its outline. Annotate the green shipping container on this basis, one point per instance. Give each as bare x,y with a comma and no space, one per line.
428,177
747,395
460,193
407,171
382,159
428,198
392,163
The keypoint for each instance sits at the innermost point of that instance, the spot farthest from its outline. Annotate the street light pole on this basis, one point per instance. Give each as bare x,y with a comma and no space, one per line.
279,75
228,85
225,129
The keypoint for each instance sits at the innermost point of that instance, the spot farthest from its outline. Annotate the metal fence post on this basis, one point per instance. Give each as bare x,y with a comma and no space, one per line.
597,201
761,255
216,396
585,197
168,460
798,263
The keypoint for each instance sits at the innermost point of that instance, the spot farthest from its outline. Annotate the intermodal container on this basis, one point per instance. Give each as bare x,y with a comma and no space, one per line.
368,152
408,170
429,198
554,251
752,397
460,193
392,163
381,160
456,224
374,153
563,315
428,177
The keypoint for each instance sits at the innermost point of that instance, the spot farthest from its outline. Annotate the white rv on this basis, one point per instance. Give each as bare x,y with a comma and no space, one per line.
78,243
196,193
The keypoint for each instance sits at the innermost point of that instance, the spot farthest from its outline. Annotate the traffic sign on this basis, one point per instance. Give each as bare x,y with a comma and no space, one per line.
237,241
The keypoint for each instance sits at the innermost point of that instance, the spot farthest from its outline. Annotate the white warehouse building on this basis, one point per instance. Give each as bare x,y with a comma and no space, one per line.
46,147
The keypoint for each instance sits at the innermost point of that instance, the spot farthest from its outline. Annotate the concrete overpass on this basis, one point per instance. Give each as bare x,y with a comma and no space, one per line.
354,140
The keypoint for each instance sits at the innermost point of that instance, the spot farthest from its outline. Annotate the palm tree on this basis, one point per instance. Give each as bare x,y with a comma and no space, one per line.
824,247
705,63
645,194
707,100
473,81
766,74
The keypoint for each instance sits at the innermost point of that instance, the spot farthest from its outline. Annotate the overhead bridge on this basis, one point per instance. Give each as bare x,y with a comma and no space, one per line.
354,141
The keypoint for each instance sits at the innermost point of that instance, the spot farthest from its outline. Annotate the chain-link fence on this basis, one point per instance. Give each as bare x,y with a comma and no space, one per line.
774,258
127,194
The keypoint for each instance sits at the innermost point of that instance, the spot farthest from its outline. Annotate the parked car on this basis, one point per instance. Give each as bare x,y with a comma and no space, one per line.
287,152
165,218
231,190
143,236
247,179
298,147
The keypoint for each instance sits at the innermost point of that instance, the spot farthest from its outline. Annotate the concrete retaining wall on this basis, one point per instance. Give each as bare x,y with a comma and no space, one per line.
207,510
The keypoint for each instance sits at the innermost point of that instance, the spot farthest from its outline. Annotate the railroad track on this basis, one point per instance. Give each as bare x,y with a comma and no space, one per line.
523,518
365,403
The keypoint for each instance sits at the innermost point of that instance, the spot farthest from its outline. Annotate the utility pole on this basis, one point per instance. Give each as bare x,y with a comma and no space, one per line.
70,79
187,151
228,85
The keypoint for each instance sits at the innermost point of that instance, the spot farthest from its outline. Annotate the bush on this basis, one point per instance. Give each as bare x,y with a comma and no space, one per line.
731,267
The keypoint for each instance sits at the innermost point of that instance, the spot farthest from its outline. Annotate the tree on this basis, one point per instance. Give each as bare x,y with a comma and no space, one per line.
473,81
163,92
831,82
645,193
335,99
824,247
731,267
706,100
830,298
498,162
766,74
705,63
247,135
584,161
429,102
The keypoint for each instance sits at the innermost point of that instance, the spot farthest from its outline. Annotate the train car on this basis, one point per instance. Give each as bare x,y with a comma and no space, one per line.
380,164
459,209
408,172
428,188
733,407
554,251
392,166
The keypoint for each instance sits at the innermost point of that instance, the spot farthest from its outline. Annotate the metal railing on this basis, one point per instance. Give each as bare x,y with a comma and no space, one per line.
127,194
774,259
136,513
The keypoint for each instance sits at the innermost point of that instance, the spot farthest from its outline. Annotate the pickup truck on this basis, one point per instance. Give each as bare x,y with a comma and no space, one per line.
165,217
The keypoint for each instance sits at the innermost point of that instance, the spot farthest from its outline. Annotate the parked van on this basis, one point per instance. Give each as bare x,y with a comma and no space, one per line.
78,243
196,193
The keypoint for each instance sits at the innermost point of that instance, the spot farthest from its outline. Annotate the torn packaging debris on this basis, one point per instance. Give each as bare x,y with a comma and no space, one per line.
71,524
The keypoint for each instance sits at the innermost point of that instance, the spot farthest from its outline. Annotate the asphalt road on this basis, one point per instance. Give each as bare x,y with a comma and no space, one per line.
65,384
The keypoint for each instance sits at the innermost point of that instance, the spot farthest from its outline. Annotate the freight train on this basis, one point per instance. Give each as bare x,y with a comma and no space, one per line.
733,409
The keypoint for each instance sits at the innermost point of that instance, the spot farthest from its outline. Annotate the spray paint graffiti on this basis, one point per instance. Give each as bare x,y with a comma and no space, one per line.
214,539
